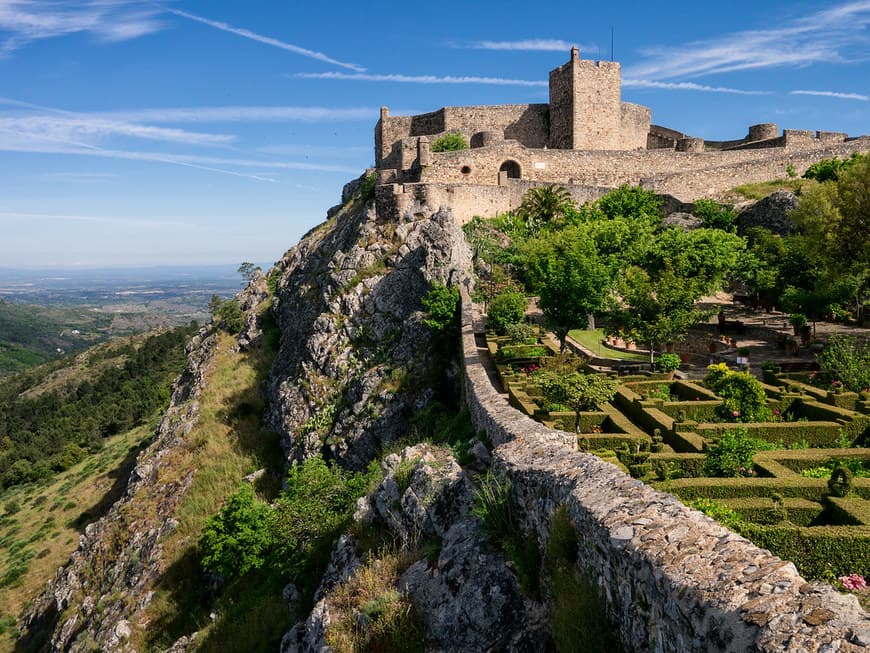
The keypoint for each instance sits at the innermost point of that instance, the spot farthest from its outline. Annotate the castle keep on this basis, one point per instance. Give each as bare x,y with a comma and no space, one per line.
586,139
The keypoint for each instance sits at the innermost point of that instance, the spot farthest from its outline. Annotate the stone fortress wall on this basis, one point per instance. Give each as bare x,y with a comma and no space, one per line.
673,579
586,137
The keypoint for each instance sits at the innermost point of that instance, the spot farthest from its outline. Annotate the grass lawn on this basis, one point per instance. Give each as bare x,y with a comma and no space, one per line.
592,341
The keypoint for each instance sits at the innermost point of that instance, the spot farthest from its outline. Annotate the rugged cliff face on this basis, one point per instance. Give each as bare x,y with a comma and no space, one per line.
356,360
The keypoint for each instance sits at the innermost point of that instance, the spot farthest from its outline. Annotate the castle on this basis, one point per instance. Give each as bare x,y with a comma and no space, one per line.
586,139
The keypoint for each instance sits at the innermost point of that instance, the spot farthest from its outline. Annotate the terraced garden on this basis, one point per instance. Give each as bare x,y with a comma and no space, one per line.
795,479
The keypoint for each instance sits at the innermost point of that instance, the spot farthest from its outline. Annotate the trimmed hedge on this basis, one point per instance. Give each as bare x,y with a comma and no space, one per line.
797,461
850,510
689,465
591,441
818,552
800,512
817,434
698,411
813,489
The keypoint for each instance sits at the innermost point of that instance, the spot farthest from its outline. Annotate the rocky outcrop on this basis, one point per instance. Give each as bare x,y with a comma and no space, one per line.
468,598
684,221
355,358
771,213
89,603
256,292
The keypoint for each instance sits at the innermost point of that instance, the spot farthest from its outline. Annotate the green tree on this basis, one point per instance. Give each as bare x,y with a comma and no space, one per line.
847,359
248,270
582,392
227,314
506,309
715,216
632,202
451,142
571,279
543,205
238,538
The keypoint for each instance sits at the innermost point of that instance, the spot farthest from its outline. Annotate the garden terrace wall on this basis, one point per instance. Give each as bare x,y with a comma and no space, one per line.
673,579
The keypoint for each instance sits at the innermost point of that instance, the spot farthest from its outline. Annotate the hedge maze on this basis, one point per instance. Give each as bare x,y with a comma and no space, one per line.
805,492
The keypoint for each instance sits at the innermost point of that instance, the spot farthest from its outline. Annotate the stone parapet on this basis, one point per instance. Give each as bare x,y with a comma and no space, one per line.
673,579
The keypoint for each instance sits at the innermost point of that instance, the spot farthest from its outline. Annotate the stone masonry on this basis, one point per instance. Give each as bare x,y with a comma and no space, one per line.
585,137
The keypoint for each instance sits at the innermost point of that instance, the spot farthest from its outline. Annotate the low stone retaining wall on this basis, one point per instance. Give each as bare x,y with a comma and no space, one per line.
674,579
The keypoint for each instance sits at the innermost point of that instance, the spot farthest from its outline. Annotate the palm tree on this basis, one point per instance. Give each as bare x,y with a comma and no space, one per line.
544,204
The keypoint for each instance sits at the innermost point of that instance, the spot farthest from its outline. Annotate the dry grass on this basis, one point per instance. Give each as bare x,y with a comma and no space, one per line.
227,443
367,613
52,516
762,189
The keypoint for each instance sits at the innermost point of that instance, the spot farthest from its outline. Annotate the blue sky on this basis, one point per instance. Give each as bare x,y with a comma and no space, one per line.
194,131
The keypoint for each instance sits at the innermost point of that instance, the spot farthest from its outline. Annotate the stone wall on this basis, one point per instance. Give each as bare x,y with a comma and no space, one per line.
685,175
467,201
673,579
634,126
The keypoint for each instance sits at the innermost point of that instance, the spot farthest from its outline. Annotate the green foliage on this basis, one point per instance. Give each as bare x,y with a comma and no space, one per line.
367,187
521,334
575,389
494,506
442,306
227,314
543,205
50,431
858,467
832,169
451,142
632,201
578,615
732,455
744,399
248,270
306,520
847,359
238,538
505,309
572,280
797,319
715,216
722,514
667,362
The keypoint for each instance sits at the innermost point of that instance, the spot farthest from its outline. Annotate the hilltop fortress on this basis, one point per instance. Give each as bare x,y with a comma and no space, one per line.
586,139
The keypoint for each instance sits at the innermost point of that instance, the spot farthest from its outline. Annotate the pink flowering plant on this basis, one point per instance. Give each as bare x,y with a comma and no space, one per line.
853,583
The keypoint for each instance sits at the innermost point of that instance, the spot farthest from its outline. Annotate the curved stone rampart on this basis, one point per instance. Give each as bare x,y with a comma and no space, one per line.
674,579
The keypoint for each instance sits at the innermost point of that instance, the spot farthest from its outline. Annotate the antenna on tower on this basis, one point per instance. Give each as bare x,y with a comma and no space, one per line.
611,42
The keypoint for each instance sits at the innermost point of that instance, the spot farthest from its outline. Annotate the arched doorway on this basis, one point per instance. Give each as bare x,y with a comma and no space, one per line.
511,168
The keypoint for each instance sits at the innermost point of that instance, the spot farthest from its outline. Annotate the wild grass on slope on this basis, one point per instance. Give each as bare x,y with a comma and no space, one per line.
227,443
41,524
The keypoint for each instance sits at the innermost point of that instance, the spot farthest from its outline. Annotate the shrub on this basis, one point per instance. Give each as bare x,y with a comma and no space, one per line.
227,314
722,514
743,397
714,215
367,188
667,362
732,455
797,319
505,309
578,390
521,333
451,142
847,360
442,306
237,539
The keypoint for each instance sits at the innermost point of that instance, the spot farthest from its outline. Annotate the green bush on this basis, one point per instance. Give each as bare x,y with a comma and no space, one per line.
847,359
521,334
732,454
238,538
743,397
227,314
451,142
667,362
367,188
442,307
722,514
714,215
505,309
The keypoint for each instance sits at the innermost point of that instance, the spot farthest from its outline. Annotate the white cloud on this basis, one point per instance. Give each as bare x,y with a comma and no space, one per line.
834,94
23,21
98,219
826,36
267,40
423,79
687,86
87,128
245,114
543,45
